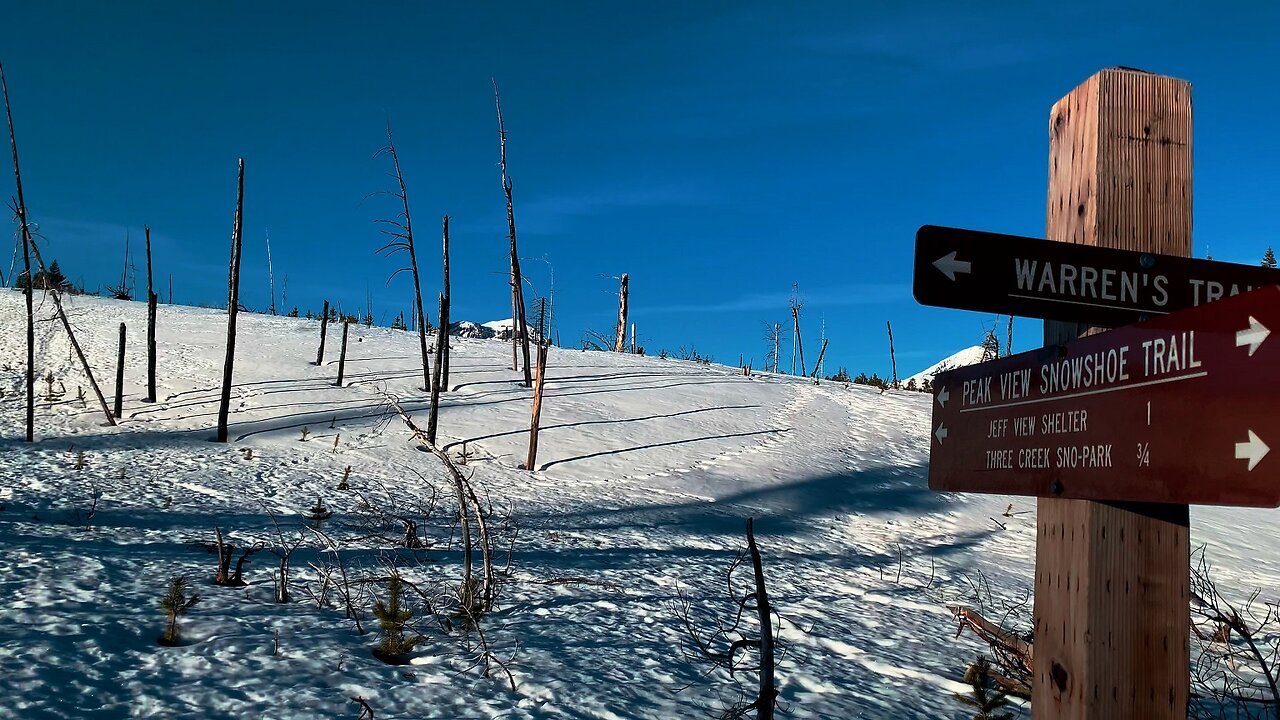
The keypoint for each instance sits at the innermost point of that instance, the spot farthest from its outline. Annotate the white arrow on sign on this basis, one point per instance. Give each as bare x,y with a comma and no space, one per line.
1252,336
941,434
949,265
1252,450
943,396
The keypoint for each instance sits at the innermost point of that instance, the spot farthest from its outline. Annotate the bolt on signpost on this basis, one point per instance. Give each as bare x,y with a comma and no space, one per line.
1117,432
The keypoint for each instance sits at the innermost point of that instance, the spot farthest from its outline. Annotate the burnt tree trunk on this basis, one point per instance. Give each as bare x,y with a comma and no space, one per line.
537,408
768,693
26,265
821,352
893,360
519,325
342,357
620,343
795,320
233,305
120,375
151,326
442,378
442,341
324,329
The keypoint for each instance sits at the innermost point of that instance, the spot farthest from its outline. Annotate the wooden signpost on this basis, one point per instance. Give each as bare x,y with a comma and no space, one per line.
1112,618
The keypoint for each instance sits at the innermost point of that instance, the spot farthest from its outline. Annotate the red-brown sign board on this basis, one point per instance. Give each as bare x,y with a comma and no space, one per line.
1178,409
1007,274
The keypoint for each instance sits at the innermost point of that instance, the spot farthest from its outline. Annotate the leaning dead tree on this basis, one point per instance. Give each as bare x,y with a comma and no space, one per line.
519,326
727,645
817,366
233,304
29,248
151,326
401,234
473,601
620,345
20,209
893,359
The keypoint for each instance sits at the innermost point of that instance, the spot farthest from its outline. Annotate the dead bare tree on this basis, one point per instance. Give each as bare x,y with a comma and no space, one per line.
443,379
1235,672
818,365
284,550
537,408
225,551
151,326
620,345
519,326
401,234
271,276
727,644
120,374
233,305
473,601
29,249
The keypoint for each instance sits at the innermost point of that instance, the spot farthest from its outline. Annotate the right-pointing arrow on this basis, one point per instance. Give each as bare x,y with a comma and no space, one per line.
1252,450
943,396
1252,335
941,434
949,265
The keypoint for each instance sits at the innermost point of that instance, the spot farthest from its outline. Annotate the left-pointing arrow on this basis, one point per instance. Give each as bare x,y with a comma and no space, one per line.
943,396
941,434
1252,450
949,265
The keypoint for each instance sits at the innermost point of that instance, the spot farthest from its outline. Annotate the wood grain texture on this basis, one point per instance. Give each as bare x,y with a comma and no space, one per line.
1111,588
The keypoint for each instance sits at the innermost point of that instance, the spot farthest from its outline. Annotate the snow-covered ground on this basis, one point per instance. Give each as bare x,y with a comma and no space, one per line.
647,469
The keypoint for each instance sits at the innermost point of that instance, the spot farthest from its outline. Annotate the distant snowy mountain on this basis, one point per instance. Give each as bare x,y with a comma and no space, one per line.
967,356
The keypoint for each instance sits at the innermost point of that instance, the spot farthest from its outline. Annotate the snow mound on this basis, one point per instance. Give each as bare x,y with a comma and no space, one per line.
967,356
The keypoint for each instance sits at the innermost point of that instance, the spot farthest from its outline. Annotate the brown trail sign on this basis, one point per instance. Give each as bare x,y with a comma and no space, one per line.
1008,274
1173,410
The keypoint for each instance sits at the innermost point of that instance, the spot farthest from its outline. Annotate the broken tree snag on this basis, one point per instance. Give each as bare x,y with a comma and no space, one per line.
233,304
442,342
151,326
893,360
342,356
633,338
1112,595
21,212
620,344
324,328
120,375
519,326
442,378
537,408
768,694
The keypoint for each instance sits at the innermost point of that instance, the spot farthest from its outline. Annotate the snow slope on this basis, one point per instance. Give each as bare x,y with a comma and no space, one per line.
647,469
967,356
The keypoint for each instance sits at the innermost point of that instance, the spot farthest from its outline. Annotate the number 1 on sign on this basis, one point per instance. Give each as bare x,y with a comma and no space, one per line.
1148,413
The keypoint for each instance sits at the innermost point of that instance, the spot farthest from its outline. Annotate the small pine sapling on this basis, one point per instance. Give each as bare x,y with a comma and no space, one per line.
393,619
346,475
986,698
175,603
81,463
318,513
305,432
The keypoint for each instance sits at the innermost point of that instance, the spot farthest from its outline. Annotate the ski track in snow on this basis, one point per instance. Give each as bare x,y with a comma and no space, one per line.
647,470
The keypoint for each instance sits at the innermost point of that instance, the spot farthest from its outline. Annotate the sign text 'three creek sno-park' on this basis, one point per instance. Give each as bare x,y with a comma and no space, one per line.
989,272
1177,409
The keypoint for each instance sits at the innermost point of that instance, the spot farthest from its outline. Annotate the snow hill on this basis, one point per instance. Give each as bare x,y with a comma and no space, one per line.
646,472
967,356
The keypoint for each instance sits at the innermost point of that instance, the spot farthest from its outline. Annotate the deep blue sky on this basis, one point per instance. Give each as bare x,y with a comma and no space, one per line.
718,152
